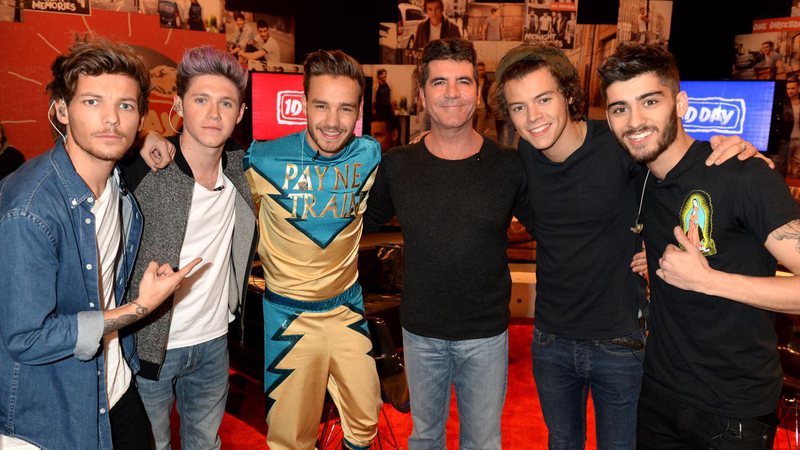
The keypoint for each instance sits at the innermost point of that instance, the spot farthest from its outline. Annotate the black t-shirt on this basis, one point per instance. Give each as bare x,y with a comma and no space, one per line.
10,160
583,209
454,215
710,352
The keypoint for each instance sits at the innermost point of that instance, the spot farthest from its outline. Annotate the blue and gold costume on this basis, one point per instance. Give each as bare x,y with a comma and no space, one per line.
310,219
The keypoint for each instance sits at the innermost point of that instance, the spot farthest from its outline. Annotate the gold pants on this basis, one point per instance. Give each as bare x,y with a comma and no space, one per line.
310,347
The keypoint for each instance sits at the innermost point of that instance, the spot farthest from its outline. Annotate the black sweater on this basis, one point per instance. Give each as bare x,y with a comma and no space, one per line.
454,216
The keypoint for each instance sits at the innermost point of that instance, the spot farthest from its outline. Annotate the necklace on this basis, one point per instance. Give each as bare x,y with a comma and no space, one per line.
304,184
637,227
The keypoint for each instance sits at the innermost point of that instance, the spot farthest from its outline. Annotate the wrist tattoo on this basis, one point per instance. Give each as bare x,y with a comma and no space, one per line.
141,311
124,320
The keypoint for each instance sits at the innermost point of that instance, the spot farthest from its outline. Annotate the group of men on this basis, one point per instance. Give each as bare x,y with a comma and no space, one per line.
70,230
258,49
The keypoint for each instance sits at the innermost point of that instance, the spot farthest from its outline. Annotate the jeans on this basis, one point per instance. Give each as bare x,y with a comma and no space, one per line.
198,376
479,370
566,370
667,423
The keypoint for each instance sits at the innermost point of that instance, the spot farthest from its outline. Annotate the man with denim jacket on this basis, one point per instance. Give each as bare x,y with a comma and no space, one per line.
69,231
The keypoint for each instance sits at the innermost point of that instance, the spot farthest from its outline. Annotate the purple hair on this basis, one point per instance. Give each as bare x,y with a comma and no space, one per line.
208,60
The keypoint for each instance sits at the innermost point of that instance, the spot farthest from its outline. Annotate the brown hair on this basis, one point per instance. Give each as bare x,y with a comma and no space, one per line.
94,57
527,58
335,63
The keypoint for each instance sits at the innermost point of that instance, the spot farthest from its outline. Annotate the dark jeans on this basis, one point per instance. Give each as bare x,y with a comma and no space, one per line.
568,370
130,429
667,423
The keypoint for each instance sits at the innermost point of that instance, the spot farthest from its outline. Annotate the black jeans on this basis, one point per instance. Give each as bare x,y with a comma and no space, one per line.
130,429
667,423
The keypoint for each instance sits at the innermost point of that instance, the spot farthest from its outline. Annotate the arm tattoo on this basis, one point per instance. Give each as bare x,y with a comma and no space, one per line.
789,231
125,319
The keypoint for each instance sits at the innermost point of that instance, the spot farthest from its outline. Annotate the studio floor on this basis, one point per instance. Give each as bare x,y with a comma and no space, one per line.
523,426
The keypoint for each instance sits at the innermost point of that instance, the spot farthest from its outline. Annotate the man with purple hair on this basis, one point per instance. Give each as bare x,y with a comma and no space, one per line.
200,205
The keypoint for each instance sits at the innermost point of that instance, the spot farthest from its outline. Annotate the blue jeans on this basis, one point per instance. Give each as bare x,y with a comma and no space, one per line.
566,370
198,376
479,370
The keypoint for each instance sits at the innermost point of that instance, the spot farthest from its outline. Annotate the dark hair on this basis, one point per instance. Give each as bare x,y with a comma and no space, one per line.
209,61
527,58
380,72
4,138
262,24
425,3
770,43
631,60
238,15
335,63
94,57
455,49
495,9
391,121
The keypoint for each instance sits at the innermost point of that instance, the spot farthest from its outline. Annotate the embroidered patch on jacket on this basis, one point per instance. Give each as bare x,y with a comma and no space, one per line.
696,221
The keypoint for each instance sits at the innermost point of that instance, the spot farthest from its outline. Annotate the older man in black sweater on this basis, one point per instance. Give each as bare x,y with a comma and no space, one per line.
454,193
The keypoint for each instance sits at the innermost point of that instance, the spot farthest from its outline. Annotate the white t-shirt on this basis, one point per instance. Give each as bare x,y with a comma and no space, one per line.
108,229
9,443
200,311
273,52
436,32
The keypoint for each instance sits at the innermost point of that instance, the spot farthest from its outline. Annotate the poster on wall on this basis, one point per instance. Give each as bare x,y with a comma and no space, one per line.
765,56
10,10
402,41
394,97
76,7
262,42
32,45
130,6
644,21
551,23
195,15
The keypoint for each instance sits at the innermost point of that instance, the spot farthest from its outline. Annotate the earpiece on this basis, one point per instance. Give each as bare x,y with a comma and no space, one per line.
60,108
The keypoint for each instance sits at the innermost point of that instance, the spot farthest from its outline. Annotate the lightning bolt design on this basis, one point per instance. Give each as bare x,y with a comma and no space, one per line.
273,376
359,326
322,237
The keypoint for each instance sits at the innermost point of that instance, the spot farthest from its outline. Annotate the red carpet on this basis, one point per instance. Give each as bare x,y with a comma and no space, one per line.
523,427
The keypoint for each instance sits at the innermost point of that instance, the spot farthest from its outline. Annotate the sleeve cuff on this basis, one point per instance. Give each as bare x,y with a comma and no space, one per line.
90,331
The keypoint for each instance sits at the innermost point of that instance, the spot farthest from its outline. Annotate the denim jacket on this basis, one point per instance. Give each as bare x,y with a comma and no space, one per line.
52,378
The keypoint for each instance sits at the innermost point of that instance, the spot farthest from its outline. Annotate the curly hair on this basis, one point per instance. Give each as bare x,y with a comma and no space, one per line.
527,58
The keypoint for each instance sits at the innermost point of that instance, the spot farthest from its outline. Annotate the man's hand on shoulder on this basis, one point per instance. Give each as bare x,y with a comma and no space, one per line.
726,147
156,151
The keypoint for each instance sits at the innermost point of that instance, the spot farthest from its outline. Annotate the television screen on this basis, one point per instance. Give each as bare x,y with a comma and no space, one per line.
742,108
277,105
